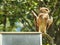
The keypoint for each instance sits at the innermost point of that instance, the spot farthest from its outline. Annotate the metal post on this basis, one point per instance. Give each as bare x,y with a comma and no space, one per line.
41,39
0,39
20,38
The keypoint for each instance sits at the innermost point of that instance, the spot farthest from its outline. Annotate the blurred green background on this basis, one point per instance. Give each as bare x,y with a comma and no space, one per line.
16,16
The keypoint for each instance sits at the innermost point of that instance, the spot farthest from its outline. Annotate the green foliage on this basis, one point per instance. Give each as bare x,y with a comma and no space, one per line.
13,11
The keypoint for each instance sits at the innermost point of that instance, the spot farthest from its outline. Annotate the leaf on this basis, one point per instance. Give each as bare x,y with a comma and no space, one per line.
58,22
1,12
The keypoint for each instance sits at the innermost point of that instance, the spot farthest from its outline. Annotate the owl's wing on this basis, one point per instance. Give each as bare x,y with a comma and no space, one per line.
49,22
34,14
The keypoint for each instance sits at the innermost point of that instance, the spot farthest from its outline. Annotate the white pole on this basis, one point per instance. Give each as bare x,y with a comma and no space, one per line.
0,39
40,38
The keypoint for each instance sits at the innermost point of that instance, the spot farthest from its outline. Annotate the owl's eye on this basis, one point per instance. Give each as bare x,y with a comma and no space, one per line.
46,9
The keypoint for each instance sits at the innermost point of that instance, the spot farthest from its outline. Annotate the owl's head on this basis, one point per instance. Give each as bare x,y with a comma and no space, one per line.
44,10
